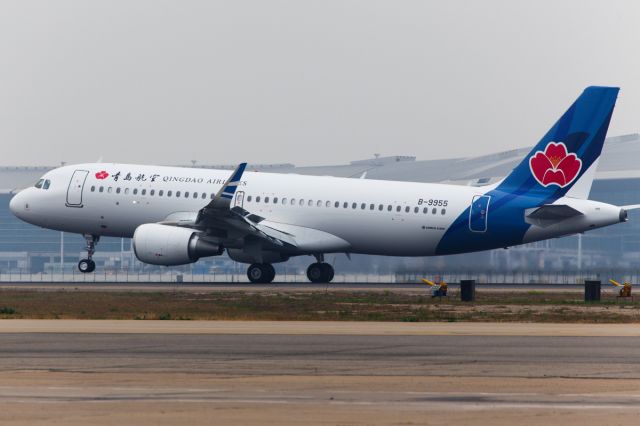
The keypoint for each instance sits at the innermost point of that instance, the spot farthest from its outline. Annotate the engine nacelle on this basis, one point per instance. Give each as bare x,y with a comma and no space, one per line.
171,245
262,256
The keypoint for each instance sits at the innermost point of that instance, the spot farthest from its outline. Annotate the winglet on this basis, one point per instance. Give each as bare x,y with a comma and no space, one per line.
222,199
229,187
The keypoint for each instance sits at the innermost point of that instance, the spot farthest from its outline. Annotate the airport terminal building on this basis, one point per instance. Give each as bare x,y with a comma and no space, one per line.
27,249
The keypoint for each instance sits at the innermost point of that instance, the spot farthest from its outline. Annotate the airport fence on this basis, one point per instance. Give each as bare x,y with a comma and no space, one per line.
287,276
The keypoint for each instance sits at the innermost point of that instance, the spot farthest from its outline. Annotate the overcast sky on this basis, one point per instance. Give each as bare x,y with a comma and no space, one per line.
308,82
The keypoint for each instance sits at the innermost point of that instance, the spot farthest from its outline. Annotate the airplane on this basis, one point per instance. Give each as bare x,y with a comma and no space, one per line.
178,215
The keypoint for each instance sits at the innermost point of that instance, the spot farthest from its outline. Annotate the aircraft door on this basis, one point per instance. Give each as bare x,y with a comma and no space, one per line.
239,201
478,213
76,185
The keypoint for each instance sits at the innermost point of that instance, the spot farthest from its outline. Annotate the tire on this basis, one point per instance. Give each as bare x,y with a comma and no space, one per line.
256,273
328,272
270,273
86,265
316,273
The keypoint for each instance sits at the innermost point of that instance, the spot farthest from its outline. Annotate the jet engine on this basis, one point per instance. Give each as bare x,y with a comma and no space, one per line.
171,245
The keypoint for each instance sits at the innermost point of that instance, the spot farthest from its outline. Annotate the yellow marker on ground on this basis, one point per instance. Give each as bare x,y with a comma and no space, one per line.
426,281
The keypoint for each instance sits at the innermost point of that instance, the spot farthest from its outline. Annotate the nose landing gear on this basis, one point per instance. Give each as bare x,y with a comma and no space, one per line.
88,265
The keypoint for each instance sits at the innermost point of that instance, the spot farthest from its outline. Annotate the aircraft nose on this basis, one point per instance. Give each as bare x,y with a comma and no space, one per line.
18,205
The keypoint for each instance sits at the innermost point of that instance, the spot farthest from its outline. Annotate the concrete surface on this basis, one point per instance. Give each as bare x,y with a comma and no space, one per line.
143,372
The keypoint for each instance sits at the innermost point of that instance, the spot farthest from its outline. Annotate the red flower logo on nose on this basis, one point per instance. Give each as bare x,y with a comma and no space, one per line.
555,166
102,175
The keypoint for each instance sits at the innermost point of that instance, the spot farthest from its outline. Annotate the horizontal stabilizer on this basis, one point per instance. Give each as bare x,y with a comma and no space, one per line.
550,214
554,212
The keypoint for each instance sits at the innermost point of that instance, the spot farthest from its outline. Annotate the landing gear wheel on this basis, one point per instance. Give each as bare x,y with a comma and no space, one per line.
320,272
261,273
86,266
328,272
271,272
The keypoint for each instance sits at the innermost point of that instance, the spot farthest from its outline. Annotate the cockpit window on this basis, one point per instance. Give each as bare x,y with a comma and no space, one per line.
39,183
46,184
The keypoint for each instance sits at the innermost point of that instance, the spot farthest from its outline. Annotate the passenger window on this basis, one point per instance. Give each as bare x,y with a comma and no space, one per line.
46,184
258,199
195,195
109,189
284,200
363,206
126,191
135,190
177,193
425,210
416,210
160,193
204,195
186,194
39,184
434,210
93,189
152,192
213,196
371,207
117,190
389,207
380,207
443,211
301,202
319,203
144,192
345,205
293,201
266,199
310,203
275,200
354,205
398,208
407,209
101,189
249,198
327,204
336,204
169,193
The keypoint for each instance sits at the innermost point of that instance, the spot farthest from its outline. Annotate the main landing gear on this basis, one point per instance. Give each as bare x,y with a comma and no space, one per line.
261,273
88,265
320,272
264,273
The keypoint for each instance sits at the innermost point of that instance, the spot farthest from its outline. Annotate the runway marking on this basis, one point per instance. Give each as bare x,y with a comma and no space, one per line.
318,328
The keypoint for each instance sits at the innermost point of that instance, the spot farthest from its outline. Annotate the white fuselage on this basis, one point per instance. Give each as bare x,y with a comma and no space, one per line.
374,217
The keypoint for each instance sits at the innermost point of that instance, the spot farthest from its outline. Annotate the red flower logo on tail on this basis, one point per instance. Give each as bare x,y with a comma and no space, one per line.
102,175
555,166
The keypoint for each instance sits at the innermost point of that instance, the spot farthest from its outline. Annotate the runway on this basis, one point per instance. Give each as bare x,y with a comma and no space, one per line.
79,372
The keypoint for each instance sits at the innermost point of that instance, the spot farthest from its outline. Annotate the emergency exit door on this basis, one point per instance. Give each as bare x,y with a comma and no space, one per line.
74,192
478,213
239,201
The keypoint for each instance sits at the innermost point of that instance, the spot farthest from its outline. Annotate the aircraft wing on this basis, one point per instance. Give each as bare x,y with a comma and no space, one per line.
233,227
